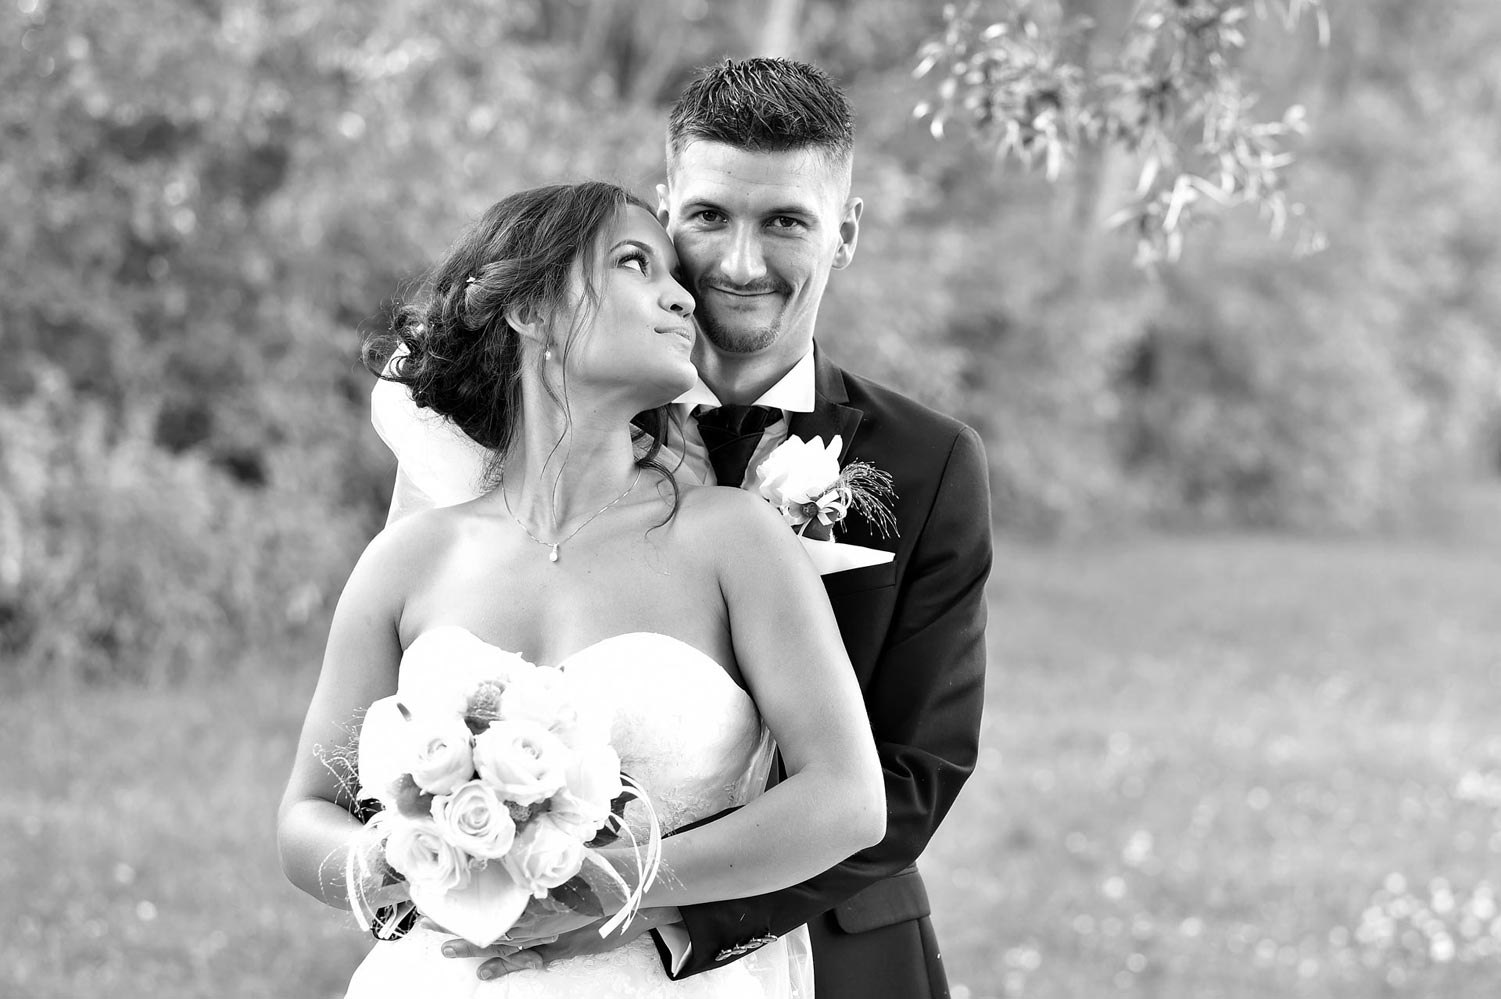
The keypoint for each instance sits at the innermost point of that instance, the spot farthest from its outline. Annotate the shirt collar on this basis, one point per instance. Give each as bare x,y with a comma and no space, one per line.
794,392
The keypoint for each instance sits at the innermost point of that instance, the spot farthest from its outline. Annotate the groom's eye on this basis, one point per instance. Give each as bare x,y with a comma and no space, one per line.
709,215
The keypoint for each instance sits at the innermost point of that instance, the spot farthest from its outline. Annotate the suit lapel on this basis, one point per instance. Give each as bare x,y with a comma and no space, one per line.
830,416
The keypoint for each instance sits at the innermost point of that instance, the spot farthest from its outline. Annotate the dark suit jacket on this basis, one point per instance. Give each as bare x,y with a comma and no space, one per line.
915,632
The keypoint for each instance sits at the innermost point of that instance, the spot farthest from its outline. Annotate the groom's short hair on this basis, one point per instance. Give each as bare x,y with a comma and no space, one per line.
764,105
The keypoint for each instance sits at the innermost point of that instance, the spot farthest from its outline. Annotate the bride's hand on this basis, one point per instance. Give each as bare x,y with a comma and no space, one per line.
542,925
505,957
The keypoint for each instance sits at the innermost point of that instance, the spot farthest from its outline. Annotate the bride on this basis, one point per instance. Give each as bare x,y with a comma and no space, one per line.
553,323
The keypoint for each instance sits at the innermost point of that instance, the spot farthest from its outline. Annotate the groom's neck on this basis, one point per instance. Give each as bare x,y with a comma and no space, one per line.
742,378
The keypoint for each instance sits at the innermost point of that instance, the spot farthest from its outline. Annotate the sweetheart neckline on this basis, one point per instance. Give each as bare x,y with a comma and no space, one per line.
562,663
637,634
717,666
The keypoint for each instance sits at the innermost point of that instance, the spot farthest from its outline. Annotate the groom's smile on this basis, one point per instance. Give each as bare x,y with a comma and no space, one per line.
757,234
747,298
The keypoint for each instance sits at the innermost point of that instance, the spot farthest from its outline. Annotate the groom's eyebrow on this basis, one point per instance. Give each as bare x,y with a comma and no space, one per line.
790,208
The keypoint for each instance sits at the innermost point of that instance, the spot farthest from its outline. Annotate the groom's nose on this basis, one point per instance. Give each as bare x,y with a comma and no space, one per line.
744,261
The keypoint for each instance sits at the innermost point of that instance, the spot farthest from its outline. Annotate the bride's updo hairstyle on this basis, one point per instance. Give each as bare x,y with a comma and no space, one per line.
462,358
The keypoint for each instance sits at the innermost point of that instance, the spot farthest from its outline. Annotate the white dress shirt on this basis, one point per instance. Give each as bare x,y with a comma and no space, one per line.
794,392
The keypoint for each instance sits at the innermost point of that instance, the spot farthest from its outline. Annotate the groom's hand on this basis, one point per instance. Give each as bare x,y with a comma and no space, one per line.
502,959
516,950
514,953
541,927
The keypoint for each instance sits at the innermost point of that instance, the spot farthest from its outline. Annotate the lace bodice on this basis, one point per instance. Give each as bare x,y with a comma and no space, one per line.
682,726
695,741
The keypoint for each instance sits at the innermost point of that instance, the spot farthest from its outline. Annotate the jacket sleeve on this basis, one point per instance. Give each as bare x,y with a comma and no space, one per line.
924,696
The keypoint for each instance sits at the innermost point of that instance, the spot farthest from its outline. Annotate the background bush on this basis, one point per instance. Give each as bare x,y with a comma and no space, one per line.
205,202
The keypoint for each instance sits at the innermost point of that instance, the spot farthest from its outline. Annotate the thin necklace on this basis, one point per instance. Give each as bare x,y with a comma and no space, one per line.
552,556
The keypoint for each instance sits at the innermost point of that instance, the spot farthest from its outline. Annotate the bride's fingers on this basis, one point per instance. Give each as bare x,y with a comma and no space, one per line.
521,960
458,947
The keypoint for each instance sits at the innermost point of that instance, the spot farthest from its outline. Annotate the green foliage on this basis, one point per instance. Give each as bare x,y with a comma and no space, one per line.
1242,383
205,203
208,203
1170,93
139,564
1339,390
1270,411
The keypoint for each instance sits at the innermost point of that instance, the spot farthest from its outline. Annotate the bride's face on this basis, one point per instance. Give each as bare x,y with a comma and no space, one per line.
640,338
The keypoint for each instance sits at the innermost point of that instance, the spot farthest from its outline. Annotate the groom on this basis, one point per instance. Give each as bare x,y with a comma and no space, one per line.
757,202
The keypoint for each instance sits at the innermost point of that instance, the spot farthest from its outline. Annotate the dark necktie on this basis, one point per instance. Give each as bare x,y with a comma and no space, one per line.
730,434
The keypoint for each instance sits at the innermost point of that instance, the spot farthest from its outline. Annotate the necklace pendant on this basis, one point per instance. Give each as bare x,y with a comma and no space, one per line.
552,556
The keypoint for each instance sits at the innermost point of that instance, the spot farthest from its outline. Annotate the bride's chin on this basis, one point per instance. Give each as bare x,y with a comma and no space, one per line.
649,388
677,380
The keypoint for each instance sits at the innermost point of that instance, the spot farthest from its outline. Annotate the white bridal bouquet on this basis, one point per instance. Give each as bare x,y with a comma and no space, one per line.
497,783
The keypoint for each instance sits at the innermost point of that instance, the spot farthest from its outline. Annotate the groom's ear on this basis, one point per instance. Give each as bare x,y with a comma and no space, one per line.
849,233
662,213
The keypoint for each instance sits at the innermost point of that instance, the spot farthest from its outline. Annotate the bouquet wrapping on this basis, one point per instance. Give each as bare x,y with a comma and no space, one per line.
497,783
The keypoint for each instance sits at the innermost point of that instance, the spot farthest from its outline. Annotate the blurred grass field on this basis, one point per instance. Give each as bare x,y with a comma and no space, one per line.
1213,766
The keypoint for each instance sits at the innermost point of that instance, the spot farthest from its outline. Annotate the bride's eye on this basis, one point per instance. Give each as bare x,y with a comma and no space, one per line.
636,260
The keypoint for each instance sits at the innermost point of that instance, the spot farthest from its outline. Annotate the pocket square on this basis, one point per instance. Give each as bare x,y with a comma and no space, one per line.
831,556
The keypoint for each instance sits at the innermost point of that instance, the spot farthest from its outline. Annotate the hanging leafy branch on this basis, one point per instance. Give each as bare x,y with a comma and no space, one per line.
1172,97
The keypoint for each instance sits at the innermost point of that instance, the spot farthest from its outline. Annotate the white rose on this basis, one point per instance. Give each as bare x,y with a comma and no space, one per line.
443,758
554,700
443,667
593,781
523,761
798,473
417,850
546,854
476,820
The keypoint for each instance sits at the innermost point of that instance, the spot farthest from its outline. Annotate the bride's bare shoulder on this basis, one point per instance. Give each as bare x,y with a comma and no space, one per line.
417,539
724,513
423,524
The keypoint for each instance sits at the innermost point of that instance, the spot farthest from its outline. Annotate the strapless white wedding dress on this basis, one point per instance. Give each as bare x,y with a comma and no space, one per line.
695,741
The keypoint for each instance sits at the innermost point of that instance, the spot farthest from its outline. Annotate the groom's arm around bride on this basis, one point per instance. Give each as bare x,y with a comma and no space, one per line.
914,629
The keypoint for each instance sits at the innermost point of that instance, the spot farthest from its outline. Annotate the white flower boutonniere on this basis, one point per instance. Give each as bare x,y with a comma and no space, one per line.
803,480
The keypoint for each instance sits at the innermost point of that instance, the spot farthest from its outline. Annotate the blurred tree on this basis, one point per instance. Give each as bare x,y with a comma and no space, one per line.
1175,397
204,202
1036,85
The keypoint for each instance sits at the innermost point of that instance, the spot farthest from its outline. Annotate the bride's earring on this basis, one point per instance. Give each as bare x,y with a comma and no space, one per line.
547,354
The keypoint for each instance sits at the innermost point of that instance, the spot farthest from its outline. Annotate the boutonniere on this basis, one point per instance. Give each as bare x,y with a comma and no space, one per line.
803,480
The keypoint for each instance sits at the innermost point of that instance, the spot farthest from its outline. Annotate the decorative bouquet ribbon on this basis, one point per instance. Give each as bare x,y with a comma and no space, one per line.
497,782
803,480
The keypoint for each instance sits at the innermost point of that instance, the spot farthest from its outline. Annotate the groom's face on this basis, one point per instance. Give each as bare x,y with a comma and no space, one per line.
757,234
